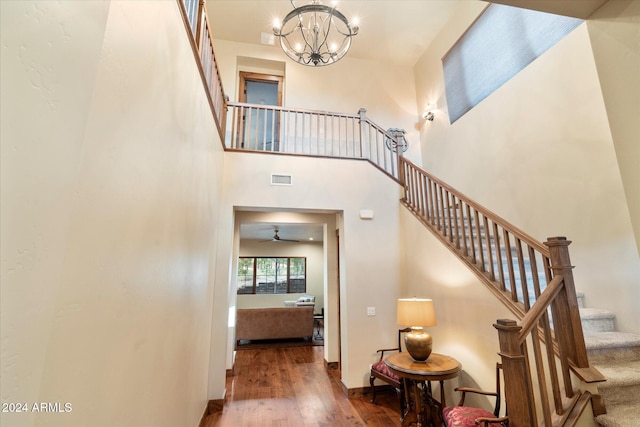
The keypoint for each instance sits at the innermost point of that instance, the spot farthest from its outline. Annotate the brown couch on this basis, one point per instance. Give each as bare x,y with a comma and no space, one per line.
274,323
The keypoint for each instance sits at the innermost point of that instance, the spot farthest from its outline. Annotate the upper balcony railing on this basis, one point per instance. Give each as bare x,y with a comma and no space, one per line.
281,130
195,18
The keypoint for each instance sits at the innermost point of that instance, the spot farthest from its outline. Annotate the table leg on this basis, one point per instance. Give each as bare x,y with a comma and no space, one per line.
414,414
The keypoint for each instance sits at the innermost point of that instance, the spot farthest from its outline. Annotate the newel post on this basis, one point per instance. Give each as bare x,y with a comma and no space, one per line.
363,128
517,379
565,306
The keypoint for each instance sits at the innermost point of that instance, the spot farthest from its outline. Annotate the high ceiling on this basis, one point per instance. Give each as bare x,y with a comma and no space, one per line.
398,31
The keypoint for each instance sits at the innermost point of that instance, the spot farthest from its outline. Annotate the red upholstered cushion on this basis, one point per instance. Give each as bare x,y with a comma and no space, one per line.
465,416
384,369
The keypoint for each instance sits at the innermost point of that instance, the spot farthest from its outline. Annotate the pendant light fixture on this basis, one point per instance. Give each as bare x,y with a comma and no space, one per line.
315,34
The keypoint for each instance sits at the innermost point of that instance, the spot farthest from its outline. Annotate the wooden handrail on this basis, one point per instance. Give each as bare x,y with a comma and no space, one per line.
530,320
533,279
513,229
197,25
296,131
368,141
291,110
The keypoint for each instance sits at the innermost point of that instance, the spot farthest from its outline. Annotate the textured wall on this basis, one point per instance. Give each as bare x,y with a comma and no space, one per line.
370,249
109,190
539,152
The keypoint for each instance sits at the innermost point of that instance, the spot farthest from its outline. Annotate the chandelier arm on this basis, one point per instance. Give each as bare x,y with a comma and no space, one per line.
304,36
325,34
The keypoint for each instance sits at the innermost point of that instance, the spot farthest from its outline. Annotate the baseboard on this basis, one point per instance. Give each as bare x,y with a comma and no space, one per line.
204,416
212,407
215,406
357,392
331,366
229,372
366,391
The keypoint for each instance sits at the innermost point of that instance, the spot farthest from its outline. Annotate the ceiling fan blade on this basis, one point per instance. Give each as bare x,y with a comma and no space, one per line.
277,238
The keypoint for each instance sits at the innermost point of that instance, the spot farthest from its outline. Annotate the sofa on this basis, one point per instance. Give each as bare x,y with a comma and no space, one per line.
274,323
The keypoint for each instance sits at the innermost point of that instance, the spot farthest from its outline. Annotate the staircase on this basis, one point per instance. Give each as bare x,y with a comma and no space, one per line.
535,281
617,356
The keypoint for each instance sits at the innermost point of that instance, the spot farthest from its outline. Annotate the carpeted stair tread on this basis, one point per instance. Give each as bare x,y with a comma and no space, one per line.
620,416
620,374
611,340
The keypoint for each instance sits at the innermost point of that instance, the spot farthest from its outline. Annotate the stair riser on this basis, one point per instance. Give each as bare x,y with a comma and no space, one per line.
606,356
598,325
629,395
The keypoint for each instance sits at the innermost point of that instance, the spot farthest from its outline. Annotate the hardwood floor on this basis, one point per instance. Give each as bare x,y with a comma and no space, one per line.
290,387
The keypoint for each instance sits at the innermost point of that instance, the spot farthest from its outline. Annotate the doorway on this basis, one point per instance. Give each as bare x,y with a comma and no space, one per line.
254,231
260,126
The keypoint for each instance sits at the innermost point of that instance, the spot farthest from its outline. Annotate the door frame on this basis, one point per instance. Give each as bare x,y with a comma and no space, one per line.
247,76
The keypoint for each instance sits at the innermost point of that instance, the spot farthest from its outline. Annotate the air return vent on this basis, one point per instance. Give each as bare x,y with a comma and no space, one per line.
281,179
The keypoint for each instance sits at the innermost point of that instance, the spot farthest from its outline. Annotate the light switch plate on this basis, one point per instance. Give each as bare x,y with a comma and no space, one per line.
371,311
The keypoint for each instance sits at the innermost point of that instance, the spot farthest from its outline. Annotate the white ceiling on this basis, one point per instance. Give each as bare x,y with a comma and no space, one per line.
398,30
289,231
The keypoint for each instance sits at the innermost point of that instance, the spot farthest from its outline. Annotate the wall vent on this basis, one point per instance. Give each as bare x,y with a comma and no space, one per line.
281,179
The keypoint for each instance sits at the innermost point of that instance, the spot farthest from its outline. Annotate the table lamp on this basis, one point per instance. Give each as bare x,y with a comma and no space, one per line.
417,313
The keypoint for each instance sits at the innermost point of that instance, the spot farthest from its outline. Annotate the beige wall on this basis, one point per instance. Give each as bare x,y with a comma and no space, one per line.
386,91
542,144
370,263
615,39
110,178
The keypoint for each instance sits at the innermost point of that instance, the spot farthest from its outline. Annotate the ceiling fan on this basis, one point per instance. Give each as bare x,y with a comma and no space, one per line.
277,238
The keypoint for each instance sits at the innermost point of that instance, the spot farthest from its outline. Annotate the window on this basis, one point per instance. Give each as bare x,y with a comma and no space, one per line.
272,275
499,44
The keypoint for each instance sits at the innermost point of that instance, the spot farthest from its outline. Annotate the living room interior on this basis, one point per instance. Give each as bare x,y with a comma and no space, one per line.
122,204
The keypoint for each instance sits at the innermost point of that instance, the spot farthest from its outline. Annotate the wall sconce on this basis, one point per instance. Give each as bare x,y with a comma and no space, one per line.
430,114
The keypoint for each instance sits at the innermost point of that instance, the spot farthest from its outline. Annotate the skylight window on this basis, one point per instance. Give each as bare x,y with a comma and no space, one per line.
497,46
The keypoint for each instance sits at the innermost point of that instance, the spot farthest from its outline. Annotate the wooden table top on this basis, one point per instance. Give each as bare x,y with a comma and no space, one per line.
436,368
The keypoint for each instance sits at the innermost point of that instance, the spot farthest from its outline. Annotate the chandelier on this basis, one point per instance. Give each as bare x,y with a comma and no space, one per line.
315,34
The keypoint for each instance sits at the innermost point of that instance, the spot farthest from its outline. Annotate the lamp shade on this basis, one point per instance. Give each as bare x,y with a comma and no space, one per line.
416,312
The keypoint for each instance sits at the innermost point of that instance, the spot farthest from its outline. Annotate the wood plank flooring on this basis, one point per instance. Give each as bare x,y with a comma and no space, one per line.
290,387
